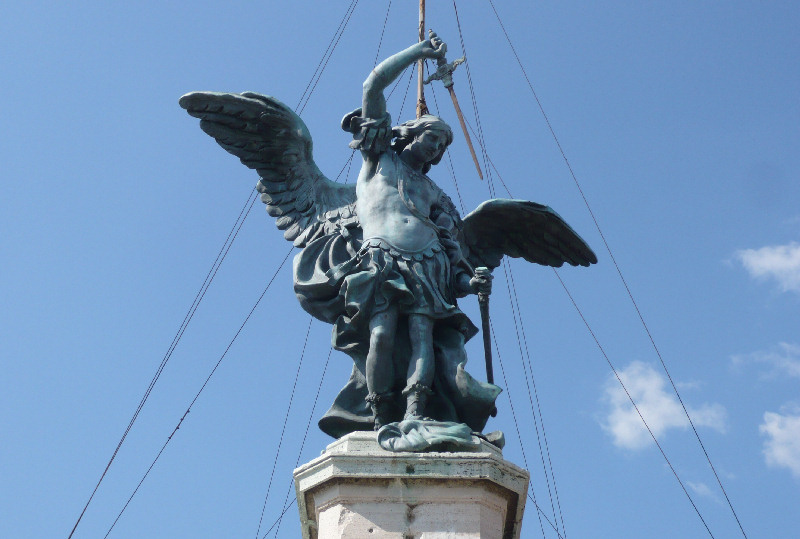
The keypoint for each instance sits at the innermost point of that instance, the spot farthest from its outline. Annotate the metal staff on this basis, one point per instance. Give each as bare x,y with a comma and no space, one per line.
483,303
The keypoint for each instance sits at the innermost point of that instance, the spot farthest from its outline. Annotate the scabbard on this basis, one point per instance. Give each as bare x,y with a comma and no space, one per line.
483,303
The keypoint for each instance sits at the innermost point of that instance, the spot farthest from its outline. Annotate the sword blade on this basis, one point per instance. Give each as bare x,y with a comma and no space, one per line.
464,128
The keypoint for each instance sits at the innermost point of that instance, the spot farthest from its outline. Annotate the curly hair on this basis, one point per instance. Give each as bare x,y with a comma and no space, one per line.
404,134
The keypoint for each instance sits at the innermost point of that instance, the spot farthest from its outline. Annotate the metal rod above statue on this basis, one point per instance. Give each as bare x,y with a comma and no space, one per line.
422,107
385,260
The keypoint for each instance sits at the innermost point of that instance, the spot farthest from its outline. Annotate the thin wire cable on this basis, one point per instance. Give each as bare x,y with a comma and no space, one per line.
619,272
341,33
212,272
520,329
492,192
528,370
489,158
452,171
515,303
396,82
619,379
449,157
303,443
597,342
278,520
539,509
285,422
405,95
513,415
516,315
514,297
380,42
325,54
348,165
474,103
205,383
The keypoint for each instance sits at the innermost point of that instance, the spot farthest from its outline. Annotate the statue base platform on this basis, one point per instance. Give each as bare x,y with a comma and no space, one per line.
356,489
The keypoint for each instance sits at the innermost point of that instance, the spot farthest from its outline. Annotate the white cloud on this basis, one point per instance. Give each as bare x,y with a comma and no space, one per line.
701,489
779,262
784,359
694,384
659,406
782,446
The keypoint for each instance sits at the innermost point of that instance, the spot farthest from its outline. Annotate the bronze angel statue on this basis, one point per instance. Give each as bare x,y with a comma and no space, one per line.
385,260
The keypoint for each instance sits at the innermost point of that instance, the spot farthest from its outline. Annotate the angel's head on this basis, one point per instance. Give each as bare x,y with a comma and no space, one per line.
427,136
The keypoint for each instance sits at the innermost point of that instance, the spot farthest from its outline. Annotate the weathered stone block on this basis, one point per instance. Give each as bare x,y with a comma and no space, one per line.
356,489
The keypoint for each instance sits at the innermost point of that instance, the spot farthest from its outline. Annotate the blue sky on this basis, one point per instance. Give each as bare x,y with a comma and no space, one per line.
681,121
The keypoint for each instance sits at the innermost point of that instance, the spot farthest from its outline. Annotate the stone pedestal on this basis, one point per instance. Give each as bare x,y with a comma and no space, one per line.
356,489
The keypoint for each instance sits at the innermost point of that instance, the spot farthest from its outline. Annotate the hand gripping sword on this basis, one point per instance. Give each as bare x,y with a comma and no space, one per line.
444,72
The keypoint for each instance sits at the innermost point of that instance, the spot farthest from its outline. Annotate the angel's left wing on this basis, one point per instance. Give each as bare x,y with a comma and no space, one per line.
519,228
269,137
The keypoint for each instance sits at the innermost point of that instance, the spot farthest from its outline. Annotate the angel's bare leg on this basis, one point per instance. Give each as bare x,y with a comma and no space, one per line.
380,368
421,367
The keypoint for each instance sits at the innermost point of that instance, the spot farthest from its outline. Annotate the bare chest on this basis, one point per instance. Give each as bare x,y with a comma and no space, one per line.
395,203
394,184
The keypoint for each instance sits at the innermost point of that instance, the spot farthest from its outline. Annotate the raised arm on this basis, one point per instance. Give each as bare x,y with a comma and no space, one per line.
374,103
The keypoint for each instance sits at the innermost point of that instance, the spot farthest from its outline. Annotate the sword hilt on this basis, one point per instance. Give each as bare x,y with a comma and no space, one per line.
445,71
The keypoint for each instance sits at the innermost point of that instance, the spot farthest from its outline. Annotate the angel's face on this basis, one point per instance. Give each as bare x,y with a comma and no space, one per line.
428,145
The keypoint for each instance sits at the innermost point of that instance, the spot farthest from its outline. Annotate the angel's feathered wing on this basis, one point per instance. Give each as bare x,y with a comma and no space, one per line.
519,228
269,137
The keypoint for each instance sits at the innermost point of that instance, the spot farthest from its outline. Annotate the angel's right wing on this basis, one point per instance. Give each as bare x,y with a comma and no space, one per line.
519,228
269,137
